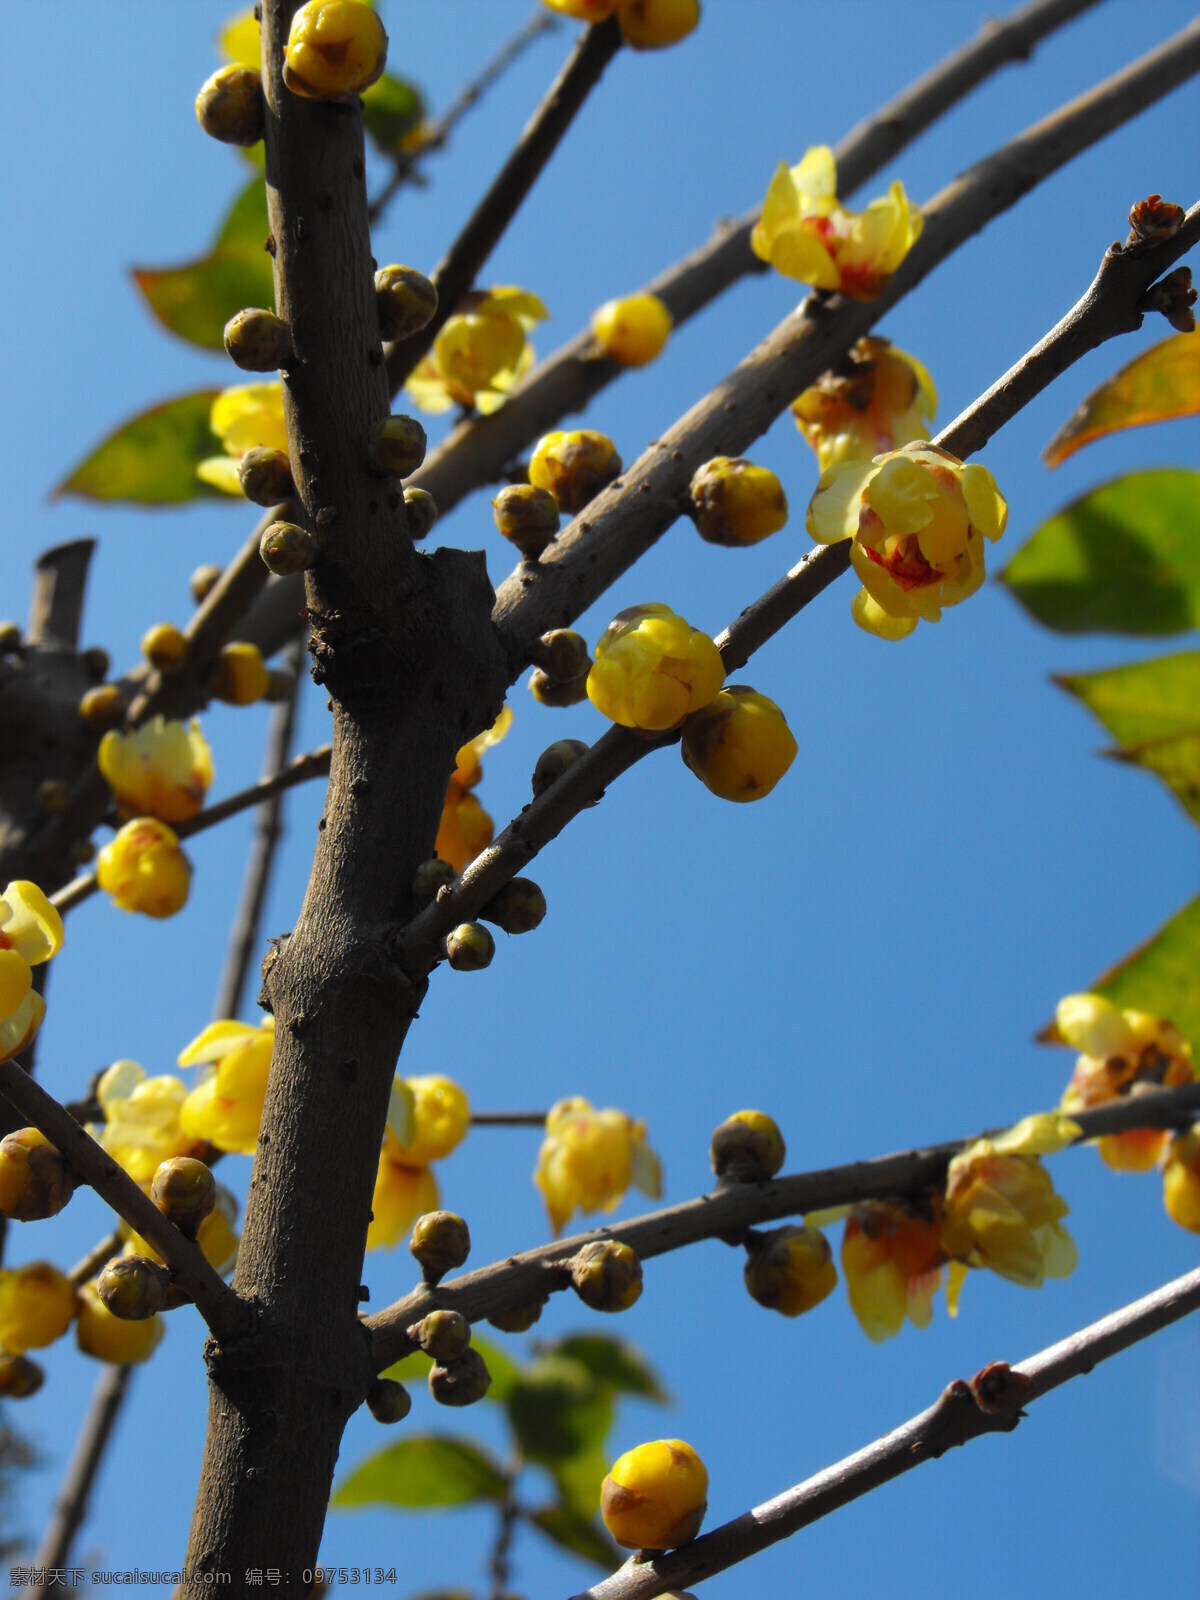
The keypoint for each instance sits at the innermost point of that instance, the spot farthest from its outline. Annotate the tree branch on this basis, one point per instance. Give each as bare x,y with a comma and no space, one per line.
992,1402
729,1211
226,1313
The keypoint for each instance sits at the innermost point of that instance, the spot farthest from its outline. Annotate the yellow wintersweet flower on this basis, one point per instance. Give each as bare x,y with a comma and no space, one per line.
655,1496
652,668
790,1270
466,828
1001,1211
892,1256
740,745
1181,1178
402,1194
441,1115
632,331
589,1158
144,869
480,352
163,769
226,1105
335,50
882,398
468,767
141,1126
37,1302
247,415
804,233
1120,1050
918,518
115,1339
31,931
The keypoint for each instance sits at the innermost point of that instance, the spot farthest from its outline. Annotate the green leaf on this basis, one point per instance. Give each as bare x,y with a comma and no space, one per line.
1152,709
1123,559
580,1535
151,459
426,1470
614,1363
197,299
558,1410
391,109
579,1479
1160,975
1162,383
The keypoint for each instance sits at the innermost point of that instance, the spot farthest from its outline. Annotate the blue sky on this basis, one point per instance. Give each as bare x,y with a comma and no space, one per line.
865,954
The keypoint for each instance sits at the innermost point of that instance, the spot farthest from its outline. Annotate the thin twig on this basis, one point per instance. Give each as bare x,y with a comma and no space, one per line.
459,267
225,1312
97,1258
992,1402
508,1119
437,132
729,1211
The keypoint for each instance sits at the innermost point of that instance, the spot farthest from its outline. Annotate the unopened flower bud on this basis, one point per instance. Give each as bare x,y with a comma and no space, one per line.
430,877
520,1318
10,638
790,1270
286,547
655,1496
574,466
96,662
528,517
407,301
388,1401
607,1275
634,330
230,105
460,1382
239,676
202,580
185,1191
554,761
654,24
739,745
469,947
441,1242
335,50
398,448
1154,219
258,341
164,647
747,1148
563,655
444,1335
1174,297
518,908
266,476
557,692
421,509
103,707
133,1287
144,869
736,503
35,1181
53,796
19,1377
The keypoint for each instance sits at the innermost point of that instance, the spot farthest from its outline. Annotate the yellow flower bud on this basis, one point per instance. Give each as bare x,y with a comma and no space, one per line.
35,1181
265,475
422,512
444,1335
518,908
527,517
133,1287
430,877
652,668
185,1191
747,1148
388,1401
592,11
607,1275
470,947
441,1242
98,1333
37,1302
257,340
239,676
480,352
1181,1179
335,50
144,869
790,1270
520,1318
634,330
162,769
554,760
407,301
103,707
736,503
460,1382
574,466
655,1496
398,447
203,580
740,745
285,548
230,105
653,24
164,646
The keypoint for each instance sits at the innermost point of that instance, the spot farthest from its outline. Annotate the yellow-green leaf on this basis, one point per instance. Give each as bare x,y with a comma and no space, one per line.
614,1363
1152,709
558,1411
1160,975
391,109
423,1471
1123,559
151,459
579,1534
1161,383
197,299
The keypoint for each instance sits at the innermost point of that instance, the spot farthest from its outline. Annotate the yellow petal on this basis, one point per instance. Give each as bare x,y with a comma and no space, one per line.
31,925
1043,1133
987,507
217,1040
834,509
872,618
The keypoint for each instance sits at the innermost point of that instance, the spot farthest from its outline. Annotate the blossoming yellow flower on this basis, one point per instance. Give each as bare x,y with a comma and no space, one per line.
739,745
880,399
441,1115
37,1302
1181,1178
1120,1050
144,869
466,828
31,931
242,417
892,1257
804,233
226,1105
1001,1211
652,668
589,1158
115,1339
163,769
141,1126
918,518
655,1496
480,352
402,1194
